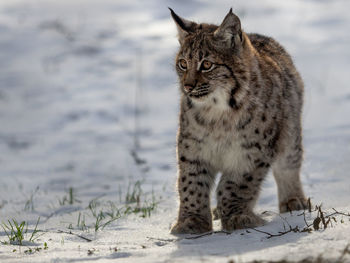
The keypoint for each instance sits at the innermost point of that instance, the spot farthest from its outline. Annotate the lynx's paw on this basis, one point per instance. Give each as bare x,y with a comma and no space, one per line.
192,225
241,221
295,203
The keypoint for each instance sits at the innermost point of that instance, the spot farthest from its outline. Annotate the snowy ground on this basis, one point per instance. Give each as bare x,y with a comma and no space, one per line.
89,101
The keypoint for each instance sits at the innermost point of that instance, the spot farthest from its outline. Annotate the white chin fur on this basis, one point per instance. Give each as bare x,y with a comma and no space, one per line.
218,99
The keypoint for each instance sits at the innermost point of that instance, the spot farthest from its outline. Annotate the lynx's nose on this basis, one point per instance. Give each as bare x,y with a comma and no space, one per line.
188,88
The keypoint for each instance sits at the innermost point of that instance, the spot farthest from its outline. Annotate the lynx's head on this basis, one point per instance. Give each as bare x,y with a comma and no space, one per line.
210,63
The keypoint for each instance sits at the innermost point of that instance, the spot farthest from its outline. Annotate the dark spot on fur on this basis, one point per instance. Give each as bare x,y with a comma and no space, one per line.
257,131
243,123
228,188
190,182
248,177
214,100
257,145
199,194
186,199
183,159
184,189
191,192
244,77
232,103
273,141
189,103
198,119
243,186
192,174
247,145
183,179
263,118
200,184
262,164
233,194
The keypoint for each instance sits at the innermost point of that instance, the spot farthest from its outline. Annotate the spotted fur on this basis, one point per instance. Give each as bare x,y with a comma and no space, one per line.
240,117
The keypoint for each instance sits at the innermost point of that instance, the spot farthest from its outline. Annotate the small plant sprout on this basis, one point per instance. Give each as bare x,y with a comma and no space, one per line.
102,218
81,223
134,201
101,223
144,208
93,207
69,199
134,196
29,205
16,232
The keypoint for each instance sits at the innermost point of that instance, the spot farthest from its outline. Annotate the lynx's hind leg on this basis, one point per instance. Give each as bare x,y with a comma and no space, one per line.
286,171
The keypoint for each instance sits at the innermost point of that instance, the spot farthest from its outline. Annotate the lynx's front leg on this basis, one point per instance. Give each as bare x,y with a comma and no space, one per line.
236,195
194,183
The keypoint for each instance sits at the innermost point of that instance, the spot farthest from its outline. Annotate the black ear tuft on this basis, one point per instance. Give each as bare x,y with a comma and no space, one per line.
177,19
184,27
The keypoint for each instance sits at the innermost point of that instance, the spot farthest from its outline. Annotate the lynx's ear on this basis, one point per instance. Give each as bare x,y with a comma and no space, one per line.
184,27
229,32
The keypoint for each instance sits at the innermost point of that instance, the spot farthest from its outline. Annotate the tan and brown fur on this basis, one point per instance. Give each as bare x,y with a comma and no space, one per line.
241,118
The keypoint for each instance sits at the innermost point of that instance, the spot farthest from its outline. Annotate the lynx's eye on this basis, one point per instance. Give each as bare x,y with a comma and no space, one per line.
206,65
183,64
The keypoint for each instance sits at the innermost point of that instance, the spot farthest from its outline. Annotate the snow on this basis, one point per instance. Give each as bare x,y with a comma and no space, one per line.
84,84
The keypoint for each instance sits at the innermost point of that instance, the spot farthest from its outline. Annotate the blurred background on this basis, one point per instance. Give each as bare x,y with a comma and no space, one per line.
89,96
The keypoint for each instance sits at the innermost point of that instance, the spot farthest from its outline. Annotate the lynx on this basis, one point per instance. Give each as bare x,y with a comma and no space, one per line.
240,115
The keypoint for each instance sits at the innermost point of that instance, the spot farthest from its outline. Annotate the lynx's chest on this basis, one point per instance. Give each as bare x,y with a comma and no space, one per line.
218,141
223,150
